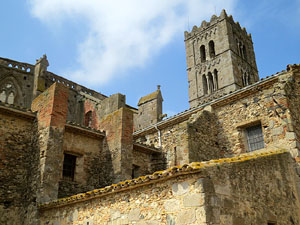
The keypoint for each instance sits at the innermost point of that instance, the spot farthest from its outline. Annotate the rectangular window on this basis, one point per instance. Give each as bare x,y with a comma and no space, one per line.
69,167
271,223
255,138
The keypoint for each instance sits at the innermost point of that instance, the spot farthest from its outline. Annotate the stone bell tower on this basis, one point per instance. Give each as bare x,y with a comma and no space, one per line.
220,59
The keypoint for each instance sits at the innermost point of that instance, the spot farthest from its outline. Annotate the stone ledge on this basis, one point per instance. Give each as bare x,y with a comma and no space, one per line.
158,176
17,111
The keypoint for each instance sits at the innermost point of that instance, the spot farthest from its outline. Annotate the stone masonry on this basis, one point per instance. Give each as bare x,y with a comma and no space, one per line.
71,155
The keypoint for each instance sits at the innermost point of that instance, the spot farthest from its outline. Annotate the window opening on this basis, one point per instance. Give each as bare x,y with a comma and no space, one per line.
204,82
216,80
202,53
255,137
210,83
244,52
11,98
211,46
3,96
69,167
88,119
135,171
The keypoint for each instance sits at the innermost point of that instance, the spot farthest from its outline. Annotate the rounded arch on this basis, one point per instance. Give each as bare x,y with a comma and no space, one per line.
211,46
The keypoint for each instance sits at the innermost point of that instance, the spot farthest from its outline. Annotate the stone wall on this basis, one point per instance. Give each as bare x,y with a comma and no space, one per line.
118,127
252,189
195,136
19,167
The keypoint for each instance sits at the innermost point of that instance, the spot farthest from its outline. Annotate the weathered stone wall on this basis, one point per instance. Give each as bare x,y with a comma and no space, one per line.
202,137
118,127
214,73
20,81
92,166
248,191
222,134
51,107
172,140
19,167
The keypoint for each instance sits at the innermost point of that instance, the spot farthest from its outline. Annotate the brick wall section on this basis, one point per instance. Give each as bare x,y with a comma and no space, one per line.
51,107
243,191
118,127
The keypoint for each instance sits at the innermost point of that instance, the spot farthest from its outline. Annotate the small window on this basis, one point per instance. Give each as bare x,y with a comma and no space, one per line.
204,82
271,223
135,171
210,83
69,167
255,138
88,119
202,53
211,46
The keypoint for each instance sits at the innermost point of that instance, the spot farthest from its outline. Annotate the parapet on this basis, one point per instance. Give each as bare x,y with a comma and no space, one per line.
213,20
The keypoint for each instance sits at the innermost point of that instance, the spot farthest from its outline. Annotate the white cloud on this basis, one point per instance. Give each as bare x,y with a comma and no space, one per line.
123,34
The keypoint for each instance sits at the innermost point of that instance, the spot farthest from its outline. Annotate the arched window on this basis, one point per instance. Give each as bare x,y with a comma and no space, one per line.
3,96
202,53
244,52
211,46
88,119
7,93
204,82
210,82
216,82
11,98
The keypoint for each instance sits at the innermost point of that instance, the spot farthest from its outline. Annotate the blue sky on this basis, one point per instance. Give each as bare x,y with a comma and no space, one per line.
130,46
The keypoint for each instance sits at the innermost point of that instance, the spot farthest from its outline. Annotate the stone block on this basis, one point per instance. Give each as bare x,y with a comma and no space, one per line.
186,217
290,135
134,215
180,188
194,200
172,205
277,131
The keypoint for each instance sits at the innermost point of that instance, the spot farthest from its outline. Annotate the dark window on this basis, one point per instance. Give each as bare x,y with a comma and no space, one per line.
202,53
204,82
210,83
216,79
212,52
255,137
271,223
69,167
135,171
244,52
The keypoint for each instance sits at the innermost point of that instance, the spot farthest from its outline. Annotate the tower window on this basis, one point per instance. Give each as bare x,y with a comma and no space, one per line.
211,46
202,53
204,82
216,79
69,167
88,119
244,52
246,79
255,137
210,83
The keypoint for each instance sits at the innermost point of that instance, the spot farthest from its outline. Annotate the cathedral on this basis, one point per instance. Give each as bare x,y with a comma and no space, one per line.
71,155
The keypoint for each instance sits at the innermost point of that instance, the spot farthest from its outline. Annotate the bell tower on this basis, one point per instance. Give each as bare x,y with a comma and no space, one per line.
220,59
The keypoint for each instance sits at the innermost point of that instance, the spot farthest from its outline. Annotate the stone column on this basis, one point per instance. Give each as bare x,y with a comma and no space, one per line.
51,107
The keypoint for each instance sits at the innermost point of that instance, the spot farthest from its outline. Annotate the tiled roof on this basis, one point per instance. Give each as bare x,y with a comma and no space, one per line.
157,177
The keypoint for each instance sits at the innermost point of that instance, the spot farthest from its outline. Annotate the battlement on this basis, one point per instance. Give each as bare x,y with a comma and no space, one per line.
24,67
51,78
213,21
